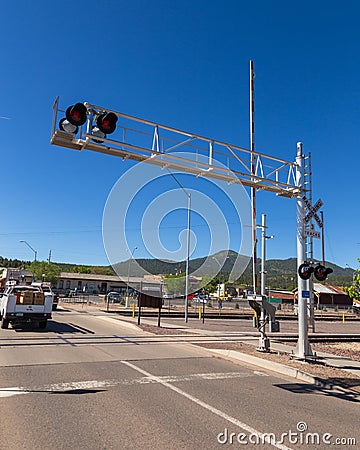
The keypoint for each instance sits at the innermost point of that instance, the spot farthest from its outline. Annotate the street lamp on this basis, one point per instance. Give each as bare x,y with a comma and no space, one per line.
35,252
187,246
127,300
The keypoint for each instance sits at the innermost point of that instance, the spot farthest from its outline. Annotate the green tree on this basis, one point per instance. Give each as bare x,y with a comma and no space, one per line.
175,283
99,270
80,269
354,290
211,284
44,271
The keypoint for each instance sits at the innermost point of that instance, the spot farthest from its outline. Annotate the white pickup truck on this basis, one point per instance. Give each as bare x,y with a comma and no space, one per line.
25,304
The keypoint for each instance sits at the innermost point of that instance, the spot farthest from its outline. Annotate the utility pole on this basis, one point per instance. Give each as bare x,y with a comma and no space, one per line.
253,160
322,239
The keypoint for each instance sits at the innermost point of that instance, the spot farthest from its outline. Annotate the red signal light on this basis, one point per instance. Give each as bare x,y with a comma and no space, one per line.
76,114
305,271
106,122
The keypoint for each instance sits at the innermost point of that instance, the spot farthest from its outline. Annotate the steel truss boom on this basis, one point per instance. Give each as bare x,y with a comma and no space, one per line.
142,140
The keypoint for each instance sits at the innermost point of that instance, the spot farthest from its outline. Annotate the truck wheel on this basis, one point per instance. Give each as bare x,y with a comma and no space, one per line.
4,323
42,324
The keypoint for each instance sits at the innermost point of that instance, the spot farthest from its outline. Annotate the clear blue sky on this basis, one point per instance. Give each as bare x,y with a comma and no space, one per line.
184,64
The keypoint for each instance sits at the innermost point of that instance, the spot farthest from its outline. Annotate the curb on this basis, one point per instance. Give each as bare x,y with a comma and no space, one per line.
282,369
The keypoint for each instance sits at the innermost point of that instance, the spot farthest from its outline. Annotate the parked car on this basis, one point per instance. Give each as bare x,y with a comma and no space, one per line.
113,297
200,298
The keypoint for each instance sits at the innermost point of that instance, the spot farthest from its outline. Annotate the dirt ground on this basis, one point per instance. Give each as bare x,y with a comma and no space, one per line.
345,349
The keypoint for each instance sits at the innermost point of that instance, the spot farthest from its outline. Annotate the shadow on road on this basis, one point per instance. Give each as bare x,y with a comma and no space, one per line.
52,327
78,391
342,394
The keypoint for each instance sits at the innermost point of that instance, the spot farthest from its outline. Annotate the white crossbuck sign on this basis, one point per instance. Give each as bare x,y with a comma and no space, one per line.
313,211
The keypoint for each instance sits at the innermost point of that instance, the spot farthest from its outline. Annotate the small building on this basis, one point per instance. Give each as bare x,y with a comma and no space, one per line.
283,297
90,283
22,276
330,295
326,295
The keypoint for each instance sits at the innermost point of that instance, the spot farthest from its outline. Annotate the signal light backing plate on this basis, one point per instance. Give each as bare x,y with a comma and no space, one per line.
106,122
321,272
76,114
305,271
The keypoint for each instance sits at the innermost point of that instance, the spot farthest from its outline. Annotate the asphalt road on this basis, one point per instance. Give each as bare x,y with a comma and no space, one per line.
93,382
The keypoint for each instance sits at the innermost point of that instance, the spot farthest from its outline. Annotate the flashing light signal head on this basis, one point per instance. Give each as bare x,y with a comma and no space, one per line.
322,272
305,271
76,114
106,122
68,127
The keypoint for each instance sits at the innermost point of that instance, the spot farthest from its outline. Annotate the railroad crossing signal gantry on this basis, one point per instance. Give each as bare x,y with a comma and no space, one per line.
140,140
145,141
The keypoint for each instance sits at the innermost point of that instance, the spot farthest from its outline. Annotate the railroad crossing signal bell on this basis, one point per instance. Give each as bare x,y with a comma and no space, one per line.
320,272
76,115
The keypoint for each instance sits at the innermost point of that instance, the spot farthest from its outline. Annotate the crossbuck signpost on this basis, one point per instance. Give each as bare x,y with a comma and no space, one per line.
85,126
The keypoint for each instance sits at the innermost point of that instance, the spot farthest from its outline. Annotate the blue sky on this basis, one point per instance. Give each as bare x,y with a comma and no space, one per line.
184,64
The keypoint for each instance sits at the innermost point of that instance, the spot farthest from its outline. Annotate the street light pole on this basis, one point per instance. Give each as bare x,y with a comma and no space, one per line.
35,252
127,300
187,259
187,246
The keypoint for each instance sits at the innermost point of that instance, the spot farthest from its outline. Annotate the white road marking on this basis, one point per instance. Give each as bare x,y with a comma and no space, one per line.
261,374
10,392
210,408
122,323
98,384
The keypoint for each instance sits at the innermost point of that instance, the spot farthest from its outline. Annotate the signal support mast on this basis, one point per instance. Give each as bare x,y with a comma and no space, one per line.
85,126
